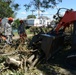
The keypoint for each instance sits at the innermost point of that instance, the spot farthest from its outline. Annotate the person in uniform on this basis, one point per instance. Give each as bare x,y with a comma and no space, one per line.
8,30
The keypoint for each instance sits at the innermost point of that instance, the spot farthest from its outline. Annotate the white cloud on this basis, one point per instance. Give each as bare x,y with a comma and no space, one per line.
45,13
23,13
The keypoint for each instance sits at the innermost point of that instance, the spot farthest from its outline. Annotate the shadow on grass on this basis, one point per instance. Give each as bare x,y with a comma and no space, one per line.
54,64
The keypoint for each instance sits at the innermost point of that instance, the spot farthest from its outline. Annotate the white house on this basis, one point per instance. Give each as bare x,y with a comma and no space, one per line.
33,22
41,21
45,20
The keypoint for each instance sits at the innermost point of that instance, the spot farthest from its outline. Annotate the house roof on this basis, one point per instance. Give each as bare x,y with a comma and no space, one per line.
43,17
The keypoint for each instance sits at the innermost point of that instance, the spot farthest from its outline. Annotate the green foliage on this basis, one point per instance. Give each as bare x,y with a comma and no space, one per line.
42,3
31,16
15,24
7,8
2,58
49,3
36,30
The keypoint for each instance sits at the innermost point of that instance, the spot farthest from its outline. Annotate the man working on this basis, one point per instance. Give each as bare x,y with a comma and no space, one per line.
21,31
8,30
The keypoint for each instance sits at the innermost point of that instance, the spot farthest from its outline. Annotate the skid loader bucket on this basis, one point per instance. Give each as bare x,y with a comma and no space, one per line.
51,44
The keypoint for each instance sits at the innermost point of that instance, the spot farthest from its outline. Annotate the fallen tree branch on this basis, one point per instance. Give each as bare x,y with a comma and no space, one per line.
8,54
3,69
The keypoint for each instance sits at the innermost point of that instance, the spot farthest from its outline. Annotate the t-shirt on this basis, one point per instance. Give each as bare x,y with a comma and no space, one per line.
21,29
8,29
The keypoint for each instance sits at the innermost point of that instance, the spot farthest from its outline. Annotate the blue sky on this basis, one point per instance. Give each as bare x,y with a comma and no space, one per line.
23,14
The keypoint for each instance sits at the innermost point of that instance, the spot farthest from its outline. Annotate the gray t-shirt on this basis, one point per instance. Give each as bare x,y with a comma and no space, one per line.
8,29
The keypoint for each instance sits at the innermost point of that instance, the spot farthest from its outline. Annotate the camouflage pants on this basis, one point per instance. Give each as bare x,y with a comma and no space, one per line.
9,39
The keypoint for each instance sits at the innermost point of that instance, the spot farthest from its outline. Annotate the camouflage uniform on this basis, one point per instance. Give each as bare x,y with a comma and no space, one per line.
8,32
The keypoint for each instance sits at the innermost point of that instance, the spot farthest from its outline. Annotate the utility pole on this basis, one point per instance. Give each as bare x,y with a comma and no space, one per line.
38,9
32,11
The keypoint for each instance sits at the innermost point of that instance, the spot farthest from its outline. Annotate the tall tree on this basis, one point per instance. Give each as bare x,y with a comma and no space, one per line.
42,4
7,8
31,16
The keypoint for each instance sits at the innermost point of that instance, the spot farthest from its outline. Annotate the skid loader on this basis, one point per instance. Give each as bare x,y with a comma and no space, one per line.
48,44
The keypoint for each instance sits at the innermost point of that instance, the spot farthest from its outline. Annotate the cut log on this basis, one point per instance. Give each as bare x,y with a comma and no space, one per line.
30,59
34,62
13,61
